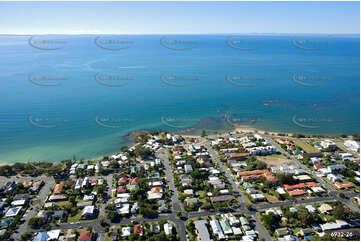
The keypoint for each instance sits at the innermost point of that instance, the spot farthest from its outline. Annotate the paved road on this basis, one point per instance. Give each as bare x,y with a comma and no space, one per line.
332,190
100,231
176,205
228,175
35,207
263,233
163,155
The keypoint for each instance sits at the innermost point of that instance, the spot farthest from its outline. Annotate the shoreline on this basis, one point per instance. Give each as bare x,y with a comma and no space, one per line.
131,136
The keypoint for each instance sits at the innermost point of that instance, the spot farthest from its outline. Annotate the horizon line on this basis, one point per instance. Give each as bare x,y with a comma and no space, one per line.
29,34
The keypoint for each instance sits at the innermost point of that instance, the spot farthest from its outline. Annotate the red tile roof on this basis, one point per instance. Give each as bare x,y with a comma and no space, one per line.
340,185
134,181
246,178
312,184
297,192
318,165
138,229
93,182
85,236
58,188
257,174
291,187
248,173
121,189
271,178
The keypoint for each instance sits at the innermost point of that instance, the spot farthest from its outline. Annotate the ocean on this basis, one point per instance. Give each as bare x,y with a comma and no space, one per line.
79,95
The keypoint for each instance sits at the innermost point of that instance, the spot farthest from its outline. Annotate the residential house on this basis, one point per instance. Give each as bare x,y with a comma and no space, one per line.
58,188
217,230
163,207
168,228
89,212
56,198
138,230
343,186
126,231
318,165
310,208
124,209
84,204
280,232
233,221
13,212
191,201
155,229
326,144
85,236
352,145
336,168
339,224
333,178
202,230
223,198
227,230
257,197
188,168
325,208
59,214
305,232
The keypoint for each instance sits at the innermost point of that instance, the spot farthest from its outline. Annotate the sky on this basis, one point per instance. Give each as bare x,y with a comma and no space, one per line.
179,17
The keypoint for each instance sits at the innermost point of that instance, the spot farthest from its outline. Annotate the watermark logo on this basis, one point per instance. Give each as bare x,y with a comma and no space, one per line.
243,81
46,80
178,123
241,119
309,122
112,80
113,122
178,80
308,80
47,123
178,44
46,42
243,43
113,42
309,44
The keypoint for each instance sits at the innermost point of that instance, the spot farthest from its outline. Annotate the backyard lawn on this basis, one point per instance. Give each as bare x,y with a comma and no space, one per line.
75,218
306,146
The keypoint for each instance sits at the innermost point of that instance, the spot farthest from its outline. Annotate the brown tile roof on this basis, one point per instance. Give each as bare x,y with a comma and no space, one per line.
248,173
237,155
123,180
156,189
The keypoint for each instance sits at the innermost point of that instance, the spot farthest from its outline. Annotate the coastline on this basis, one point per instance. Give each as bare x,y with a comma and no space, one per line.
131,137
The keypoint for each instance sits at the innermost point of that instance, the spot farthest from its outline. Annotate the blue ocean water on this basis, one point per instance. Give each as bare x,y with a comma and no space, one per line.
79,95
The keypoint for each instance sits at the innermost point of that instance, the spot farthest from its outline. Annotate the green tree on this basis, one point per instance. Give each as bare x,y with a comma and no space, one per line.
112,216
270,221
